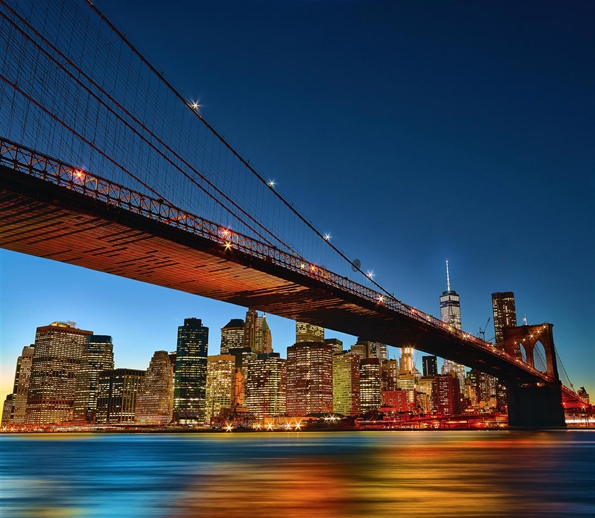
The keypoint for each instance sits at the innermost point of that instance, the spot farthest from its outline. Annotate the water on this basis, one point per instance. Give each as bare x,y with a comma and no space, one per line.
343,474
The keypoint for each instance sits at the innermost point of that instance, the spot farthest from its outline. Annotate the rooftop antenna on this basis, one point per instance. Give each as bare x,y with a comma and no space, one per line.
525,320
447,277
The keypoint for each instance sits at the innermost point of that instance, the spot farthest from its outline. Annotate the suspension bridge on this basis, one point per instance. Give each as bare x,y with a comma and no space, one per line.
105,164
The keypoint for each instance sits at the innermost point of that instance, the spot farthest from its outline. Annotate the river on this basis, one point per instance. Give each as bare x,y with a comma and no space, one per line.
299,474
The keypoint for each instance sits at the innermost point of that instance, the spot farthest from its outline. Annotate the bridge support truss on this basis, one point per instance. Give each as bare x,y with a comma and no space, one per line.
535,405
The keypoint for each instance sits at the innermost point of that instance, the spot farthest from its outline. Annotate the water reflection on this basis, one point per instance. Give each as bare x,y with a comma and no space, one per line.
306,474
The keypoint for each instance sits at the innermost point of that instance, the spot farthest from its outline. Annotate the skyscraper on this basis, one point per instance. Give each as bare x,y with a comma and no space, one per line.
155,398
446,394
98,356
309,379
117,390
191,372
232,335
367,349
56,363
220,383
336,344
266,385
504,313
22,378
369,383
305,332
346,387
450,312
257,334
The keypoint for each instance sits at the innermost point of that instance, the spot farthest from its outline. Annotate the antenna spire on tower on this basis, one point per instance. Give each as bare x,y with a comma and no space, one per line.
447,277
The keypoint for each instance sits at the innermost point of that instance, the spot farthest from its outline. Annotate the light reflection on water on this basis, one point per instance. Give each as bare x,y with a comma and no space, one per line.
344,474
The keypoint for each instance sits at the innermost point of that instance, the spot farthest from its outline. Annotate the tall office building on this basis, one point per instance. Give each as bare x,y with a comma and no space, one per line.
191,372
257,334
389,375
266,385
232,335
220,384
429,365
406,363
450,312
305,332
20,389
117,390
346,386
369,384
56,362
504,313
155,398
6,410
309,379
98,356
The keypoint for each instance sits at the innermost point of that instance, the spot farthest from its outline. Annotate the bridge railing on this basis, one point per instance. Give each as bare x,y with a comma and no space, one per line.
38,165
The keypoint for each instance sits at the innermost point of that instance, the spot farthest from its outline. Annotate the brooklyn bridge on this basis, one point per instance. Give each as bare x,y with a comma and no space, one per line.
104,164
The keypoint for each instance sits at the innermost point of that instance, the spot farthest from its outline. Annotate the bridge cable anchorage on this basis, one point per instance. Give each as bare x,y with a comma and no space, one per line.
221,138
144,127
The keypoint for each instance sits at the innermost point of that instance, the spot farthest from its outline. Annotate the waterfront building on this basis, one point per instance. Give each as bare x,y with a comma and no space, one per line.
504,310
309,379
447,395
232,335
191,372
346,383
155,399
265,385
54,369
429,365
369,382
117,390
220,384
450,312
335,343
6,410
424,386
22,377
305,332
98,356
397,401
257,334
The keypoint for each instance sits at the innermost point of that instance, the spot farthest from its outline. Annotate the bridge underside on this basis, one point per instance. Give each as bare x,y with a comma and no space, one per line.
52,222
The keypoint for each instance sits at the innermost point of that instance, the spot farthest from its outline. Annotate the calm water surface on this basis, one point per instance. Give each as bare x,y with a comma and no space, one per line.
344,474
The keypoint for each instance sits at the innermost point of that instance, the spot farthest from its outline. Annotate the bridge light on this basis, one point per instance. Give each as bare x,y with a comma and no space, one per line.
370,275
303,265
327,237
194,105
271,183
227,245
380,299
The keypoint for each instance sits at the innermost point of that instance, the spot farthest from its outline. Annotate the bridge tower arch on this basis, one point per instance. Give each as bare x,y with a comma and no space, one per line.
536,405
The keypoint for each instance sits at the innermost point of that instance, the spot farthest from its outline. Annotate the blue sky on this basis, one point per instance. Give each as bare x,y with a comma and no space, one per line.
412,131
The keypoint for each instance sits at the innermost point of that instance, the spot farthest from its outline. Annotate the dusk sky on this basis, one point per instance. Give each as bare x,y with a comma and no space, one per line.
411,131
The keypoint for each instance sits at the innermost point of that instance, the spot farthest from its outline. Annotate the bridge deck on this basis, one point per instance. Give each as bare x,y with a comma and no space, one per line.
46,220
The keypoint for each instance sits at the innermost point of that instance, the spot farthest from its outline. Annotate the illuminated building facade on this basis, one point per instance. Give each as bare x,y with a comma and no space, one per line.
389,375
220,384
398,400
54,369
446,394
309,379
98,356
504,311
155,399
6,411
450,312
369,382
191,372
335,343
346,386
367,349
406,363
305,332
22,377
257,334
266,385
232,335
117,390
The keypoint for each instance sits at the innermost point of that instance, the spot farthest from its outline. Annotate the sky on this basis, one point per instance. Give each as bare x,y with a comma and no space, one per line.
411,131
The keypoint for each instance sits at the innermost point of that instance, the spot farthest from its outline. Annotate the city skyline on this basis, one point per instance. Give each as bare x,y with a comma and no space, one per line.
529,167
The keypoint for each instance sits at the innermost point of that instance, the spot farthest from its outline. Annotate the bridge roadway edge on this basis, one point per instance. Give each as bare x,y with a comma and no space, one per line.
38,218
